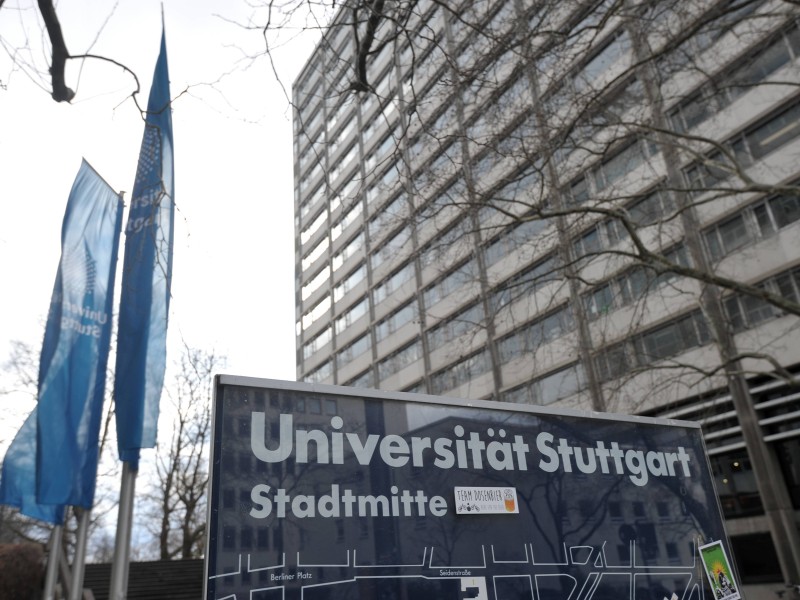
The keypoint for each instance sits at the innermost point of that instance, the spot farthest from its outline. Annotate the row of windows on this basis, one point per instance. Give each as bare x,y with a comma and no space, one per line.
665,341
744,311
712,97
754,143
631,285
757,221
659,343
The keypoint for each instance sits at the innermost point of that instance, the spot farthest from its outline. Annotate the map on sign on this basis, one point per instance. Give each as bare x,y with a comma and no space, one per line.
323,493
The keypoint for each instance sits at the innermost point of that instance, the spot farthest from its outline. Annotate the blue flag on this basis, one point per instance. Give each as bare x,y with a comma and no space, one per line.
52,461
146,278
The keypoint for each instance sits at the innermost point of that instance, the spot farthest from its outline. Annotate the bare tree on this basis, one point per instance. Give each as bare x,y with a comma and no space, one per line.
59,54
177,503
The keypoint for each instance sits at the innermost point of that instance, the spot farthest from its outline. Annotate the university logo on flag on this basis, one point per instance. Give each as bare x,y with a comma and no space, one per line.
146,277
52,461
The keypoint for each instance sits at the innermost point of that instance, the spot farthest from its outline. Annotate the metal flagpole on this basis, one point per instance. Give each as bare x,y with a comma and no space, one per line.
79,561
118,588
52,563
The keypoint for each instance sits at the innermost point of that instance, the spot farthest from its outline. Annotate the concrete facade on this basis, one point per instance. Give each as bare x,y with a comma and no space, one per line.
531,202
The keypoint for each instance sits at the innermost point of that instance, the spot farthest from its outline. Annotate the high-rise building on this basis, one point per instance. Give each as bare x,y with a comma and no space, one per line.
588,205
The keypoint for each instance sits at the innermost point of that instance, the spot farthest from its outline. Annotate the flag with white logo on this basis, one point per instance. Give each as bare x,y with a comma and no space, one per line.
52,461
146,278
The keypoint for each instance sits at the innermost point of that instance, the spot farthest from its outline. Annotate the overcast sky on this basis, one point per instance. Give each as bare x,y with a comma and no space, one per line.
234,253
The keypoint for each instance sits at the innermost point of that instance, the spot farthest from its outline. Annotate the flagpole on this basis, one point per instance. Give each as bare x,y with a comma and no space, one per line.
118,588
79,560
52,563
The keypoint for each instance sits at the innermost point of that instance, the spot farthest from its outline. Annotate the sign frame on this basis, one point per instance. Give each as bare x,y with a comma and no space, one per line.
465,576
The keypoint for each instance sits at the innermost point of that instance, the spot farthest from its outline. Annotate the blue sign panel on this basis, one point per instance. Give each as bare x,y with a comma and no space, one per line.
331,493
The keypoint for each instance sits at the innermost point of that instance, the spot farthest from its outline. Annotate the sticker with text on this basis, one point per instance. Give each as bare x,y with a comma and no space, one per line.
486,500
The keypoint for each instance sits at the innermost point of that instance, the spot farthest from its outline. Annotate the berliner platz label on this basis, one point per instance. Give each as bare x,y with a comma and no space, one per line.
335,493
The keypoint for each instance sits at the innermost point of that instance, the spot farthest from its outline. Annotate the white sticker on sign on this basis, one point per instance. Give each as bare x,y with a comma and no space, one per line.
486,500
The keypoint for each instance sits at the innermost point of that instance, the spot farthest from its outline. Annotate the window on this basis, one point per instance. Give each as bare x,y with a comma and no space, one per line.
777,212
759,220
308,178
343,162
588,243
611,363
246,538
399,360
316,252
386,145
316,282
314,197
550,388
320,373
774,133
316,311
462,372
364,380
579,191
353,247
736,485
651,209
229,537
613,110
461,323
456,235
727,236
600,301
309,231
390,216
339,531
339,138
396,320
353,350
539,332
619,45
346,194
450,283
621,163
354,313
673,338
347,219
745,311
262,538
349,283
391,248
309,348
392,283
510,241
527,282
